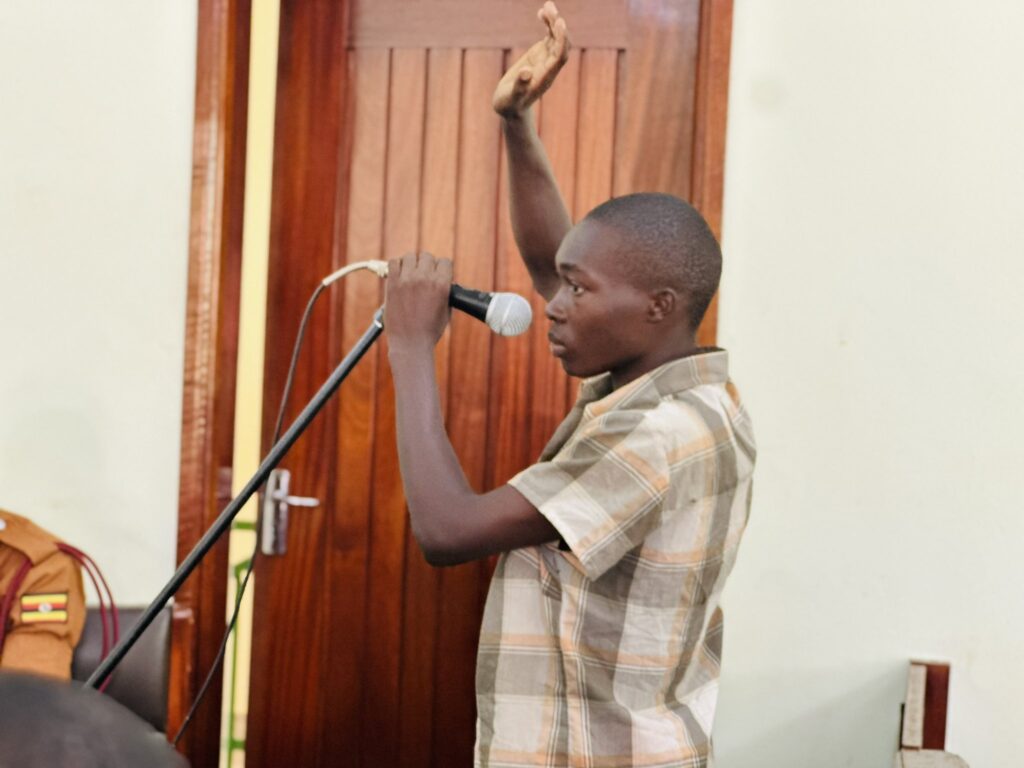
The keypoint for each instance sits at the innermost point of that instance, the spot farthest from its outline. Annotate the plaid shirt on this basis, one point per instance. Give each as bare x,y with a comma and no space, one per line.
604,652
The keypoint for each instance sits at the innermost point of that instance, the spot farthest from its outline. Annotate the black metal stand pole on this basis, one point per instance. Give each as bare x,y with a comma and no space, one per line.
223,521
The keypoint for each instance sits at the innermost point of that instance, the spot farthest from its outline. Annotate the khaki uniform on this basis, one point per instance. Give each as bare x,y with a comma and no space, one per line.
46,611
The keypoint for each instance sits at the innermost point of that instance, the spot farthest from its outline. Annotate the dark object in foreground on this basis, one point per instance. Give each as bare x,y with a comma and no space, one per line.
49,723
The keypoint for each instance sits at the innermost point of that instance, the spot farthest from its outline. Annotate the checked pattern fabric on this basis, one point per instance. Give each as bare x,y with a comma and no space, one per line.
603,650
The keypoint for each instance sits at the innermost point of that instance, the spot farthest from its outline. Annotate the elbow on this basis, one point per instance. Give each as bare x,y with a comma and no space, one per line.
440,548
441,555
442,525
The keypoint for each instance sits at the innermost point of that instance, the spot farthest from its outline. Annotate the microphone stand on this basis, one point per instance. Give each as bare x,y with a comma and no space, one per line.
223,521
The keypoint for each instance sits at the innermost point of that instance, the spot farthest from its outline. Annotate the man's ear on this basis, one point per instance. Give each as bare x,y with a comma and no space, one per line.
664,303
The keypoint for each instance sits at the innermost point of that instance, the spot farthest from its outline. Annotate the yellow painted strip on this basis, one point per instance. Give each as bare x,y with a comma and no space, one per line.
51,597
42,617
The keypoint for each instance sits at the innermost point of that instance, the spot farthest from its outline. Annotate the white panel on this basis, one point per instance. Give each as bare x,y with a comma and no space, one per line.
95,147
874,239
913,707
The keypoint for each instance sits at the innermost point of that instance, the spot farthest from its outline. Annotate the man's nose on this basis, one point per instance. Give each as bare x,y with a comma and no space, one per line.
554,310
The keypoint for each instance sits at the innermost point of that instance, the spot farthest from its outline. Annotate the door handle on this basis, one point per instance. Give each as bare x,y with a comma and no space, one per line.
276,503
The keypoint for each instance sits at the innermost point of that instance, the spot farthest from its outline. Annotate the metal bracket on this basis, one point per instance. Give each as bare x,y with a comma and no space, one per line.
276,501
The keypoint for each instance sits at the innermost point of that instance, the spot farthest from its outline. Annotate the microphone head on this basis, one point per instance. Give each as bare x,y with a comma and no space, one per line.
509,314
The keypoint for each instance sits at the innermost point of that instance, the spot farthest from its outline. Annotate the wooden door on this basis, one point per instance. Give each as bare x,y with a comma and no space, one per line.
385,142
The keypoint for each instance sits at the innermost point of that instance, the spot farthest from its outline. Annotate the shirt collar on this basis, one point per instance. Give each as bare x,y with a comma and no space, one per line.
22,534
709,366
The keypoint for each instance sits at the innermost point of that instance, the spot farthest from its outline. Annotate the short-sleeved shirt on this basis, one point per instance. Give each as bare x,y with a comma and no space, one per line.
46,609
604,649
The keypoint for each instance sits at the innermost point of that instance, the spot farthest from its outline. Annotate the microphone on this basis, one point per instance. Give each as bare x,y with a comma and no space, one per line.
507,314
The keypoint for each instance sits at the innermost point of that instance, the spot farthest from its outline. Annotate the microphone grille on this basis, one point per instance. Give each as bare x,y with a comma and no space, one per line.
509,314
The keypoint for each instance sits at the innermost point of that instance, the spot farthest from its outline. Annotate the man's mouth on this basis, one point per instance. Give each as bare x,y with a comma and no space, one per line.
558,348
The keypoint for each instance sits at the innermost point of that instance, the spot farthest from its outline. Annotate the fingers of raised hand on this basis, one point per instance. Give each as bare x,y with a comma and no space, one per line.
536,69
548,13
557,37
556,45
561,39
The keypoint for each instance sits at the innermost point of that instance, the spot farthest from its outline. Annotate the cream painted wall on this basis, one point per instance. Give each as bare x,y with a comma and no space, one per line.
95,159
874,238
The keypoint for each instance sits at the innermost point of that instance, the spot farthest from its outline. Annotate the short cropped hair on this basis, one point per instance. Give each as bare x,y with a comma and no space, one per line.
667,244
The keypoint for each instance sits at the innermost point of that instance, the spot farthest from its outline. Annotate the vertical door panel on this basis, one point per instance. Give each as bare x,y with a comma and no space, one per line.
345,576
381,695
468,386
654,135
422,593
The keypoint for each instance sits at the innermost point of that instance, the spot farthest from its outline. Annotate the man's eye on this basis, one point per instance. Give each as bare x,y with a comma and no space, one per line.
577,290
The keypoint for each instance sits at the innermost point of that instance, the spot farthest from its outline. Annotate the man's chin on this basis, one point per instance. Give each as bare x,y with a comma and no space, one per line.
576,370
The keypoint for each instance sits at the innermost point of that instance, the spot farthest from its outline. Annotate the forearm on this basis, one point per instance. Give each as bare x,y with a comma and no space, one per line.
451,522
540,219
436,490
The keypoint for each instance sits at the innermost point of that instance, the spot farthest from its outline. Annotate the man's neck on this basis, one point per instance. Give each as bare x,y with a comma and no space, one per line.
656,359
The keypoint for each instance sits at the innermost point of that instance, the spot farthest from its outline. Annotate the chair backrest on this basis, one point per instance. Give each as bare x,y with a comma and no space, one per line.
140,681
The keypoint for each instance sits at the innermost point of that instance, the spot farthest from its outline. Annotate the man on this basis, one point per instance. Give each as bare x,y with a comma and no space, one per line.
601,636
42,603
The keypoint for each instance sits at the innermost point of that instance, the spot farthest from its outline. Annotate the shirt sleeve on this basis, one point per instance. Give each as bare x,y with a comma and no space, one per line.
47,619
604,490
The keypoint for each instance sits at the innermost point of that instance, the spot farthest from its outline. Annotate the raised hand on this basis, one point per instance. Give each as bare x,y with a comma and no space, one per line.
528,79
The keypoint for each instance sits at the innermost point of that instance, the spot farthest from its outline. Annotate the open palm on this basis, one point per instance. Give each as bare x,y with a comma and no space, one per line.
528,79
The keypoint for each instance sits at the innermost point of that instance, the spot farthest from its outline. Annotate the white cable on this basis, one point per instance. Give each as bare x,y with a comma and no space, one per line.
379,268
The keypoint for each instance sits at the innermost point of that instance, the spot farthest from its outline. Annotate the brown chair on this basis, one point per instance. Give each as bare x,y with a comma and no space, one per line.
139,682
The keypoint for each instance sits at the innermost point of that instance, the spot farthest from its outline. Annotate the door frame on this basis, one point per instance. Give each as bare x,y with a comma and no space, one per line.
211,349
711,110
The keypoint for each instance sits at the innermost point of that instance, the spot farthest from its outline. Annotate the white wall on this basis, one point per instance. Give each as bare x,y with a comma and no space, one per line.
874,239
95,159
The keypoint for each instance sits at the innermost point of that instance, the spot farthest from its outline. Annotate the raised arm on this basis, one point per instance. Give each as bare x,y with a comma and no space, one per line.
539,217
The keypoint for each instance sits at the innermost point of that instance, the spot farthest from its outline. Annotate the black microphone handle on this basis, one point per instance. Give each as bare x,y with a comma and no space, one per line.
471,302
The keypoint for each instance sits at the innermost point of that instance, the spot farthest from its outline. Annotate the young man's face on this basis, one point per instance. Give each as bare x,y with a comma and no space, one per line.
599,321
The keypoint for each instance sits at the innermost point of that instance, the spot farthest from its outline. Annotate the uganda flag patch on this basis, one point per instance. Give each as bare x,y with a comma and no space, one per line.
48,608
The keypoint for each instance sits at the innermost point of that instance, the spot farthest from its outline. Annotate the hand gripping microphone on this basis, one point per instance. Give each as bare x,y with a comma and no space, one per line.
507,314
